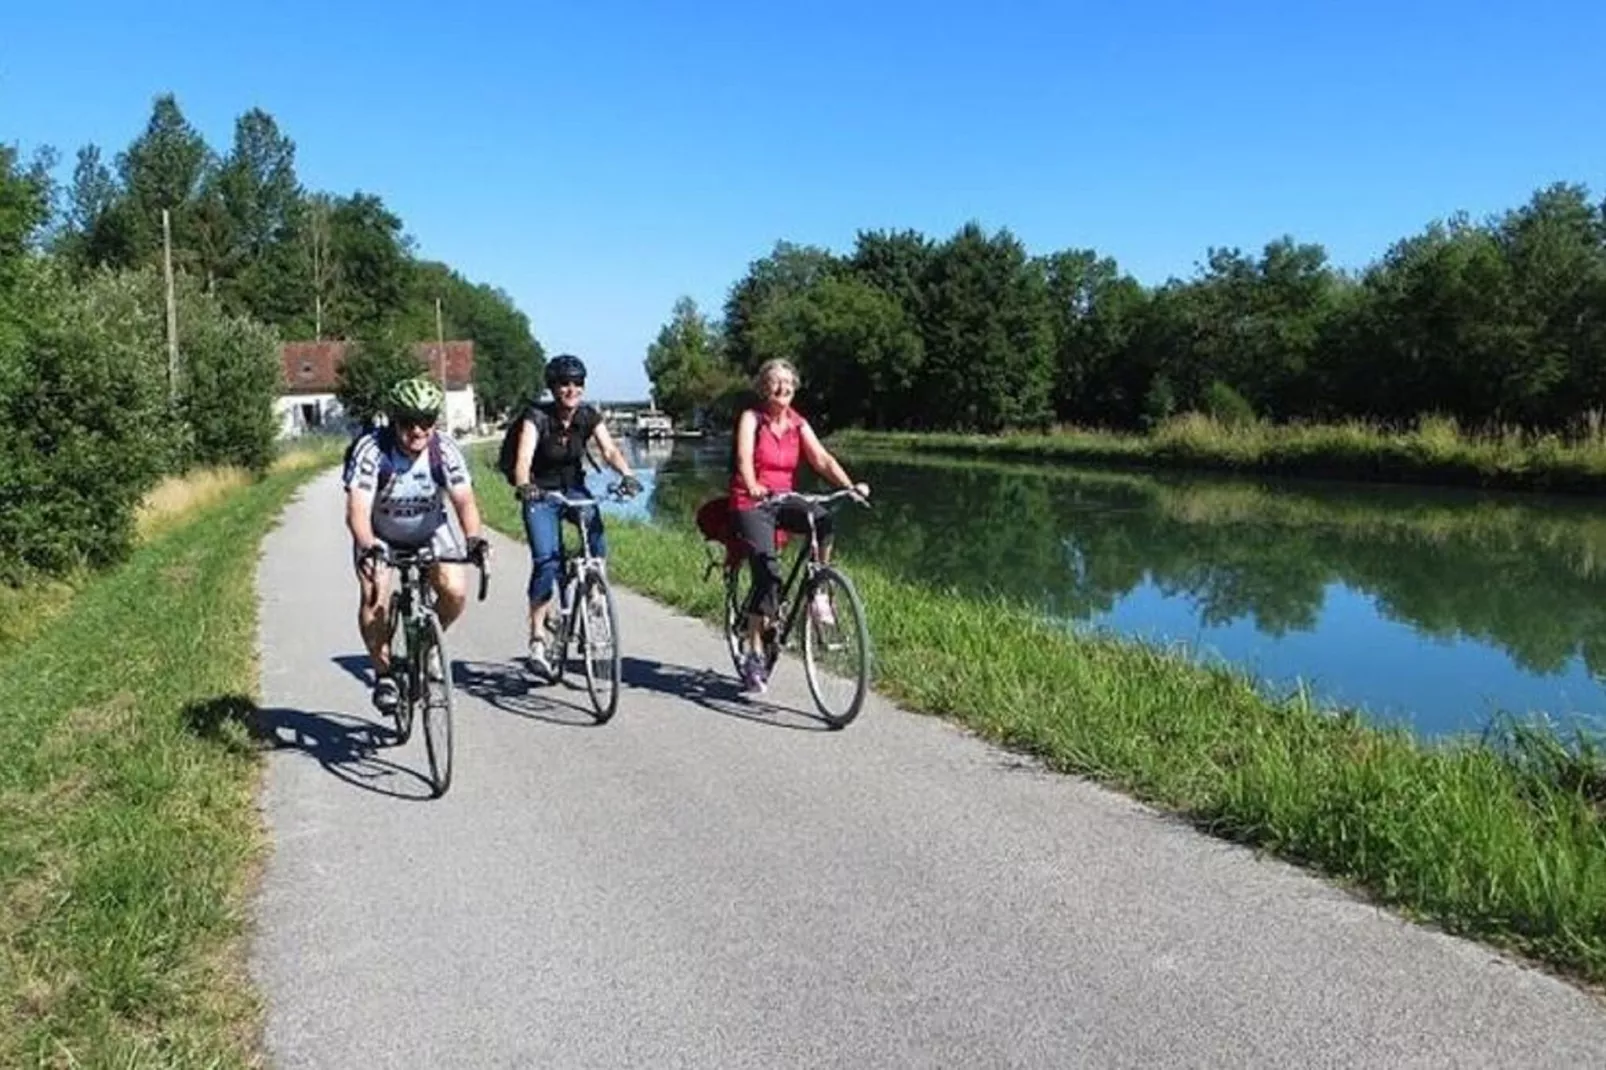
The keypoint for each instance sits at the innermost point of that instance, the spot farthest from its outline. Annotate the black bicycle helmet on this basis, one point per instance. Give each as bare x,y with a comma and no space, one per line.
563,367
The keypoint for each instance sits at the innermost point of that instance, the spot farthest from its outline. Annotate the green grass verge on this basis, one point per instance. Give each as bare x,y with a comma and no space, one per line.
26,610
128,827
1436,452
1502,841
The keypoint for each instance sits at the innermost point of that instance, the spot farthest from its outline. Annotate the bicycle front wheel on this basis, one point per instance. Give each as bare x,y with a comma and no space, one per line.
836,647
599,634
436,680
402,672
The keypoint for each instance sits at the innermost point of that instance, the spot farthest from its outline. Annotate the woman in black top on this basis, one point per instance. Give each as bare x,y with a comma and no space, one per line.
547,469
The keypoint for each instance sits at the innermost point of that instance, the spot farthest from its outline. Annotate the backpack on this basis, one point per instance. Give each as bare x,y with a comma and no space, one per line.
509,451
387,468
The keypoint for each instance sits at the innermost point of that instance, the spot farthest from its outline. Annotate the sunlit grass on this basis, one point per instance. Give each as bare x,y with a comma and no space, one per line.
128,821
27,609
314,452
176,497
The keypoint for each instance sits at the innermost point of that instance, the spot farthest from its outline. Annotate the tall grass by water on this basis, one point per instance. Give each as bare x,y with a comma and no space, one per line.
1435,451
1500,838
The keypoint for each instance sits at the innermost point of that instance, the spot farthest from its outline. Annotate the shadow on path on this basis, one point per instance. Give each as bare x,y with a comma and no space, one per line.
346,745
717,692
509,687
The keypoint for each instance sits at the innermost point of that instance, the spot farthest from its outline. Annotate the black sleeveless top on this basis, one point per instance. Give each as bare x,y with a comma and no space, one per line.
557,463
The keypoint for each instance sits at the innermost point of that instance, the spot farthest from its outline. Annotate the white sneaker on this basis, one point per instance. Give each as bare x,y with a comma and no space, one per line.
538,660
820,607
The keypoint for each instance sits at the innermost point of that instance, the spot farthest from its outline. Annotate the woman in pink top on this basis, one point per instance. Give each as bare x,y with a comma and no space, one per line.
770,440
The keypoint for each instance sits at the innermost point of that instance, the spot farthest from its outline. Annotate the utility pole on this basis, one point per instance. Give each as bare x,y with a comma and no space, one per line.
172,310
440,340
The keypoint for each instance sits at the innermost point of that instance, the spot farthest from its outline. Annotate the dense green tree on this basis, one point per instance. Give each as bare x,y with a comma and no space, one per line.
988,347
686,365
372,278
508,360
260,200
166,167
857,352
788,269
369,372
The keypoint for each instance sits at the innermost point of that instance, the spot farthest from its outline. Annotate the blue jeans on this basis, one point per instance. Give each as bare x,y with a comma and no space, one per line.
542,526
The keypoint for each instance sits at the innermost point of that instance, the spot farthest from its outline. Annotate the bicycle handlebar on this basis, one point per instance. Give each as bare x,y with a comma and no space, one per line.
775,501
424,556
536,494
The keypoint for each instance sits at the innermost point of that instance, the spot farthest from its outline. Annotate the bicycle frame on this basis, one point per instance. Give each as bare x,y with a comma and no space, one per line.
415,597
575,567
805,562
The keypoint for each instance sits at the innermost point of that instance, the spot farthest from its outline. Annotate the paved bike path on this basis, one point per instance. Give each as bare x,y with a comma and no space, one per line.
709,881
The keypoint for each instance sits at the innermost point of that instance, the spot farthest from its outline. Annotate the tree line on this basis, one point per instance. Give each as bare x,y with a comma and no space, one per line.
96,410
1499,322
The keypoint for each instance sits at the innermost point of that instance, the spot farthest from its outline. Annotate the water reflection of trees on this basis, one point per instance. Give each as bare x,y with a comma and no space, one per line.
1529,578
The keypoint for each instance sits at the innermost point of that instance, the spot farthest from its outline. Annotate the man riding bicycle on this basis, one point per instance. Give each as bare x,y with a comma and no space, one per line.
398,479
548,470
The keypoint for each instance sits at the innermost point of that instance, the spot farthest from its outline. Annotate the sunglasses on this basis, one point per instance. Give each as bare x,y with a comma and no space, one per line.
422,422
558,384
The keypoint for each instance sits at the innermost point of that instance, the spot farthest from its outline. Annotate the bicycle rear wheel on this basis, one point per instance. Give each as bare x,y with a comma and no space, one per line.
435,678
599,638
735,619
836,651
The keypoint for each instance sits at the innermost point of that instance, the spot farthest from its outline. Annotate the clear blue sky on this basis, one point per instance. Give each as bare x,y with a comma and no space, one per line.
599,159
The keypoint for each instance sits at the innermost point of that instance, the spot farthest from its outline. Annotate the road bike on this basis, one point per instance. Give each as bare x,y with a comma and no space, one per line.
418,660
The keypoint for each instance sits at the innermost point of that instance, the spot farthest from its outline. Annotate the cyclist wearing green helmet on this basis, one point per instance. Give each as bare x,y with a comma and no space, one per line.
398,479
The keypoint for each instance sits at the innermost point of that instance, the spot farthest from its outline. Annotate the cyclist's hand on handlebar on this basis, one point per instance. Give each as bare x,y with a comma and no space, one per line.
479,550
372,556
528,492
629,487
862,490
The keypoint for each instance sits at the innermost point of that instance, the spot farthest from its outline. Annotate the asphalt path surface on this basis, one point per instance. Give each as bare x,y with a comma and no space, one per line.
713,880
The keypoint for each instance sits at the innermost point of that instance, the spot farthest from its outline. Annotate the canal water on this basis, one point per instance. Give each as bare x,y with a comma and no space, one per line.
1429,607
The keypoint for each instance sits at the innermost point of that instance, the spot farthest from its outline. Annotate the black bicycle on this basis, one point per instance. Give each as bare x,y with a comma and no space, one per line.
418,661
816,602
586,615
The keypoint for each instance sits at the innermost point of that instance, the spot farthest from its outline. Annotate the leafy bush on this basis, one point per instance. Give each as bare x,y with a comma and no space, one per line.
230,379
1226,406
83,390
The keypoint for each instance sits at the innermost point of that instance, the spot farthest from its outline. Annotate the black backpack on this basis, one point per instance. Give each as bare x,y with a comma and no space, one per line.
510,441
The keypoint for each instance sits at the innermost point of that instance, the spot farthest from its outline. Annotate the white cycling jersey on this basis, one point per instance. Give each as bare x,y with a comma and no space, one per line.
409,505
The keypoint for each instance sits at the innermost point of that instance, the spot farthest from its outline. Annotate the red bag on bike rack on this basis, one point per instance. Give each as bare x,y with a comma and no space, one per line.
716,523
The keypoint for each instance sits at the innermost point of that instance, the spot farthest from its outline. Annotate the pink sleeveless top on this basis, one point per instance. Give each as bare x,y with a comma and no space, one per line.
775,458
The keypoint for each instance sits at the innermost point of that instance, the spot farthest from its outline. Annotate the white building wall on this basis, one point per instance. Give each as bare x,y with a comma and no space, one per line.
462,411
299,413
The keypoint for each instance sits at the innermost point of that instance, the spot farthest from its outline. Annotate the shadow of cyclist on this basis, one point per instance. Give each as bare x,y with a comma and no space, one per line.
347,746
509,687
357,665
715,691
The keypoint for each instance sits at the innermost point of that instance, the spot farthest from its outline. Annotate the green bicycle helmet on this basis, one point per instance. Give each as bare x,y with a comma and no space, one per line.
418,395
